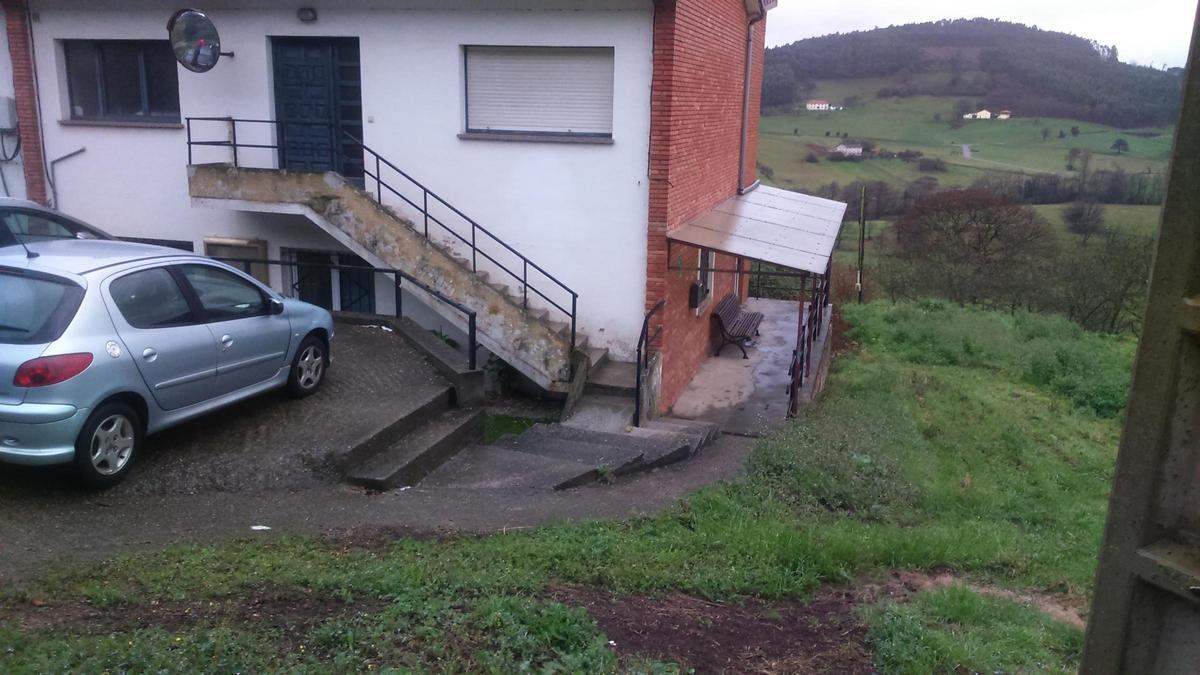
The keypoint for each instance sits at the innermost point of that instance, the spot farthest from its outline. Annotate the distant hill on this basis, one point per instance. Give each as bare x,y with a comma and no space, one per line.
1030,71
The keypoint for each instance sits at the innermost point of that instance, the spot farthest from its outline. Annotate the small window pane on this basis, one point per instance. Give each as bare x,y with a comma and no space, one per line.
122,79
150,299
234,254
82,78
162,80
224,295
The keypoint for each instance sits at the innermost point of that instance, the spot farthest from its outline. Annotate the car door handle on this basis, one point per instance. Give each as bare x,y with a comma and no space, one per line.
149,354
226,342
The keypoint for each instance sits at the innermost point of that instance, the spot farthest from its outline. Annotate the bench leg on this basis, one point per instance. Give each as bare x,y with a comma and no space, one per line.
721,348
742,346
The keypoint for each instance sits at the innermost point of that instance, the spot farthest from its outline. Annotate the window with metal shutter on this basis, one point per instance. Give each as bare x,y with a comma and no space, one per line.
547,90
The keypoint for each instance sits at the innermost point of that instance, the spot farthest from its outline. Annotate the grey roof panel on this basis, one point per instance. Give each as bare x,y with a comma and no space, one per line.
770,225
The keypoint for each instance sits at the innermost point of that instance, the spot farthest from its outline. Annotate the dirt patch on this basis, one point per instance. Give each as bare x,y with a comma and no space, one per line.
902,584
288,611
379,539
822,635
842,344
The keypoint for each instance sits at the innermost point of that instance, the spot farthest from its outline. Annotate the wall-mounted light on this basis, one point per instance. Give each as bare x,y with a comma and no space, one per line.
306,14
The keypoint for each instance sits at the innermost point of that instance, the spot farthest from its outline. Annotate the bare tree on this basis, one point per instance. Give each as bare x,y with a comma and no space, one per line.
1103,287
1085,218
975,247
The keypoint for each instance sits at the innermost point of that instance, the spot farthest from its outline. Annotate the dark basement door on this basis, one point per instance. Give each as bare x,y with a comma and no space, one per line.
318,101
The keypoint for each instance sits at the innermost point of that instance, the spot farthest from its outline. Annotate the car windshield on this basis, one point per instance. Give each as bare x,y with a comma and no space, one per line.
35,309
30,226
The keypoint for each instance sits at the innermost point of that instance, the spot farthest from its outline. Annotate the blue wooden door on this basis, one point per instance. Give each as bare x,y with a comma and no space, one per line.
318,102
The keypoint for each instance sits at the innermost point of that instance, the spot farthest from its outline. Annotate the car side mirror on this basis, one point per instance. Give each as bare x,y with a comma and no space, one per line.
276,306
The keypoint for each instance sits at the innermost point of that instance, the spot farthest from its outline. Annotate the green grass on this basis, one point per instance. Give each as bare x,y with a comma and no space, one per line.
956,630
962,440
499,426
1143,220
908,123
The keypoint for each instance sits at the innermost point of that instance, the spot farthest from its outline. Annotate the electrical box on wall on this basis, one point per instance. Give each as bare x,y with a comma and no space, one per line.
8,112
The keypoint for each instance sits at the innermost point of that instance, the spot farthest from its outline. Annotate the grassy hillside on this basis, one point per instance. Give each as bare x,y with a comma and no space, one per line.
881,475
1035,73
897,124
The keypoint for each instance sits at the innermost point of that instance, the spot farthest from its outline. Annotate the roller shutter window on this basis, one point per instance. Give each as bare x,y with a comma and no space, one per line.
540,90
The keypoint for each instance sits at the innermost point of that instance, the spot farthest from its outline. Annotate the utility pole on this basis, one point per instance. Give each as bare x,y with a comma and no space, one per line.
862,240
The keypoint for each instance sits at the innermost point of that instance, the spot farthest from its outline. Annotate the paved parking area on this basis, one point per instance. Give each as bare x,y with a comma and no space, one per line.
271,442
260,464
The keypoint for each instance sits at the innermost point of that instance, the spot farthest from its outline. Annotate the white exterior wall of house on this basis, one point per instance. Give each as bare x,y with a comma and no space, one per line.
577,210
12,172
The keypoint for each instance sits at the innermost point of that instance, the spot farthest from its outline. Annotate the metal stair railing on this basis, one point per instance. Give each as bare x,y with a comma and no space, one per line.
645,344
472,239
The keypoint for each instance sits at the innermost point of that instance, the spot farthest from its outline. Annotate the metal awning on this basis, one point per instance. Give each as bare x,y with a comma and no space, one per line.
770,225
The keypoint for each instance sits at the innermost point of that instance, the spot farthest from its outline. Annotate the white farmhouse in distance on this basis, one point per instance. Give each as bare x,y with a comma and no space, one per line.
1004,114
981,115
817,104
849,150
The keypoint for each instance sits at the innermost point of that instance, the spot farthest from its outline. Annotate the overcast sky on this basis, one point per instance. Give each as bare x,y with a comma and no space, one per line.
1146,31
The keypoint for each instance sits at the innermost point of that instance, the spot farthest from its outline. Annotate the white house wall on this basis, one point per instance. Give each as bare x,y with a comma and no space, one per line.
577,210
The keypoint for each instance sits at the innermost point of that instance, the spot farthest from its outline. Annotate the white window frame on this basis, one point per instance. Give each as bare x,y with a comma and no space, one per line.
566,135
259,271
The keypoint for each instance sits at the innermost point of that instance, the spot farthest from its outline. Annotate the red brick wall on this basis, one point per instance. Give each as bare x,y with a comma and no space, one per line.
695,137
19,47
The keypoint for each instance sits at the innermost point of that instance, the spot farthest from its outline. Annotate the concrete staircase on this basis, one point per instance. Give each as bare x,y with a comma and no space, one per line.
559,457
531,339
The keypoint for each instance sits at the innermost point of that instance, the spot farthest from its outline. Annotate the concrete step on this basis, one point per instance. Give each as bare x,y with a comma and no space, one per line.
485,467
408,418
699,434
613,378
596,356
603,457
413,457
596,412
656,450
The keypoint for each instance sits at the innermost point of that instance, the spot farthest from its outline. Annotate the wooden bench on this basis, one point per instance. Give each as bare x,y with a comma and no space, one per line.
737,325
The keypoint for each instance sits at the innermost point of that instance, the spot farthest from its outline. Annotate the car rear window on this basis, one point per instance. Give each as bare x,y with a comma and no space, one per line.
35,309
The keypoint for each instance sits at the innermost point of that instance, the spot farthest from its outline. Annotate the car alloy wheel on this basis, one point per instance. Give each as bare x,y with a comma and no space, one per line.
112,445
310,367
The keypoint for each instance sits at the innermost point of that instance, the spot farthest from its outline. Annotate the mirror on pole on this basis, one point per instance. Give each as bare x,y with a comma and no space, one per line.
194,40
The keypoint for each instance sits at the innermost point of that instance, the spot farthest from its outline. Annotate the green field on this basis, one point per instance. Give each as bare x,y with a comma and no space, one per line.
908,124
1120,217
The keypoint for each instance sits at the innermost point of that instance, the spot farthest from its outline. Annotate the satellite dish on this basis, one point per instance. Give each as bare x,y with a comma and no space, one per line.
194,40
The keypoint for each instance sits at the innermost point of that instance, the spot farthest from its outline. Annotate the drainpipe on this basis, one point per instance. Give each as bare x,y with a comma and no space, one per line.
742,187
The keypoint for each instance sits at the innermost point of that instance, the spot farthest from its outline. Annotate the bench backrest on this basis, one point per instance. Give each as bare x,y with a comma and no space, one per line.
728,310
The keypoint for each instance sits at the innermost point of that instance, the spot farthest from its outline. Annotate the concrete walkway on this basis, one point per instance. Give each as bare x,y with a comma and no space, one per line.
747,396
95,526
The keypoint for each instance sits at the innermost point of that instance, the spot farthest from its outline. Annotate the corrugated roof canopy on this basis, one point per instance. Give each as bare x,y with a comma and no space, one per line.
770,225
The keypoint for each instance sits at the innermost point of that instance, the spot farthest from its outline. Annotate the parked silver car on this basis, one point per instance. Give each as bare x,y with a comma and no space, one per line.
103,342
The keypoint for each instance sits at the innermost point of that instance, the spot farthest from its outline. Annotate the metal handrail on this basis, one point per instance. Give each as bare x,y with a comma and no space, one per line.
398,277
812,324
645,342
380,185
